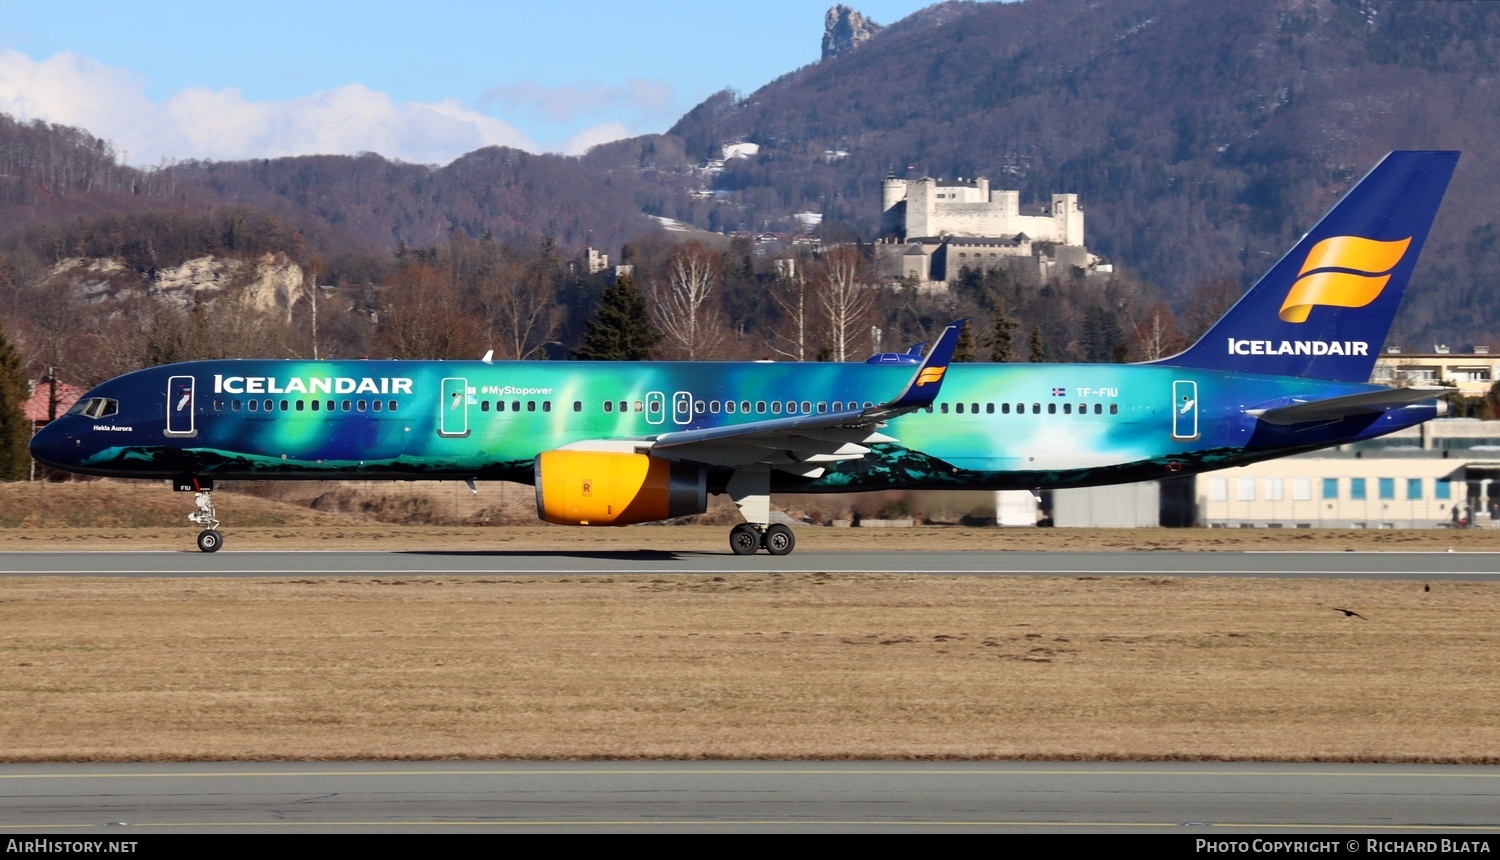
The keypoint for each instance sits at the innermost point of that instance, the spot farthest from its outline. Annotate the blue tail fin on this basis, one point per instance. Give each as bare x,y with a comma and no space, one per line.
1324,310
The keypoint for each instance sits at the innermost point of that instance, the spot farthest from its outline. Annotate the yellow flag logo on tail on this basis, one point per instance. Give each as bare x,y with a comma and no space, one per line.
1367,264
931,374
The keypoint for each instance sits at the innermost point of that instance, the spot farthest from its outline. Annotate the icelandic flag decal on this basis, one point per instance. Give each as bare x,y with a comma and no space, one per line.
1059,392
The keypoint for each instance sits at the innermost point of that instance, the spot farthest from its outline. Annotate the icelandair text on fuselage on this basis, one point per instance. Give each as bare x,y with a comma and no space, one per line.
312,385
67,846
1298,347
1348,846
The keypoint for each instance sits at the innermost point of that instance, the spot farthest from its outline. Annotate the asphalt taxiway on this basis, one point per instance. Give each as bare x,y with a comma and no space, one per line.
1381,802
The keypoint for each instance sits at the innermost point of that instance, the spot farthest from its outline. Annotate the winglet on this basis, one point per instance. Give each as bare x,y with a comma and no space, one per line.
928,380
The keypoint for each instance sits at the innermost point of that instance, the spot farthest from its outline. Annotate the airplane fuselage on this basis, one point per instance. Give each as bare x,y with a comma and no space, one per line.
994,426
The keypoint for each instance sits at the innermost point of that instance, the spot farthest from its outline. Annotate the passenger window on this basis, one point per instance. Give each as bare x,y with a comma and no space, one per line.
806,407
531,406
377,404
760,407
791,407
729,406
234,405
989,409
546,406
775,407
713,407
218,406
609,406
314,405
1036,409
1067,409
943,407
359,405
745,407
625,407
1098,408
301,406
959,408
344,405
255,406
578,406
1114,409
484,406
699,408
284,407
1051,408
515,406
332,406
1005,409
390,406
654,407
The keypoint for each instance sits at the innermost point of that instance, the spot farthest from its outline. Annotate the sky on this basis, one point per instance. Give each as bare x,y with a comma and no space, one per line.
422,82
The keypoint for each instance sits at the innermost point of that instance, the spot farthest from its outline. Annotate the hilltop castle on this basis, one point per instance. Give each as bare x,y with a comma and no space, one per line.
930,230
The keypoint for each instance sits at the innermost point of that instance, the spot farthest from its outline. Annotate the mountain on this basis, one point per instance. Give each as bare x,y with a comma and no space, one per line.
1201,137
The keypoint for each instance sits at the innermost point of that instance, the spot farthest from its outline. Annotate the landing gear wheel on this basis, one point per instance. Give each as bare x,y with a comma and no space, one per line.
210,540
744,539
780,540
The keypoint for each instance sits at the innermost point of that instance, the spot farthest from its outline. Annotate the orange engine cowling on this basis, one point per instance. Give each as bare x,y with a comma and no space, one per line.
606,488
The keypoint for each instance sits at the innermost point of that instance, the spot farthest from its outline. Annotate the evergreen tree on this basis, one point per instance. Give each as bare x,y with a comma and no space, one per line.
1038,355
15,431
963,351
1003,340
620,329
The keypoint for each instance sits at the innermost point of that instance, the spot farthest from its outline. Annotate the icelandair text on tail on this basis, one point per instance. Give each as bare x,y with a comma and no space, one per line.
1298,347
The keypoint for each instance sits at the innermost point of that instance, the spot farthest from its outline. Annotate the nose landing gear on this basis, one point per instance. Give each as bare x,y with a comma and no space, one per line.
209,540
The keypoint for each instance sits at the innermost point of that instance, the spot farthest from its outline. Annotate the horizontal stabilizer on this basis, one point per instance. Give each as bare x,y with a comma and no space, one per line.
1336,408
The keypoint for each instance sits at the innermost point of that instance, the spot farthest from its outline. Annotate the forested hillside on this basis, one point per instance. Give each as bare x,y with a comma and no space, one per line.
1201,137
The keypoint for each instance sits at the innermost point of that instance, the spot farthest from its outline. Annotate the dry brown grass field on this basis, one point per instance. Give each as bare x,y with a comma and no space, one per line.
740,666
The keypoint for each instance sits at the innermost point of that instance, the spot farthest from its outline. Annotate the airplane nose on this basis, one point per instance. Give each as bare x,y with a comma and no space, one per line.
54,446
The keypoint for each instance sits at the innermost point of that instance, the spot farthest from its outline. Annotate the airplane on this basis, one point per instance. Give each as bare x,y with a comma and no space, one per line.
1284,371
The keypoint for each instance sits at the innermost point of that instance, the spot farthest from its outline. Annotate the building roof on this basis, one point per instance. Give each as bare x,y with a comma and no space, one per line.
36,405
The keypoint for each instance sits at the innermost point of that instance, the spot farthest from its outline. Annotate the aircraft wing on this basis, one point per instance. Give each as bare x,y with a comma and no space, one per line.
1349,405
800,443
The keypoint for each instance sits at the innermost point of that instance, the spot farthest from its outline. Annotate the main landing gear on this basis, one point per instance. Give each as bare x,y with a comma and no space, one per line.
751,490
209,540
746,538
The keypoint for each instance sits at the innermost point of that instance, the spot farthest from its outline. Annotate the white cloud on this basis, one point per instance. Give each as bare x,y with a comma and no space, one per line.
592,136
642,97
111,103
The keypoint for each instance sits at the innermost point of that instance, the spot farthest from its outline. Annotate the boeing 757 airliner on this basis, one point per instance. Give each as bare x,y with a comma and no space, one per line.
1284,371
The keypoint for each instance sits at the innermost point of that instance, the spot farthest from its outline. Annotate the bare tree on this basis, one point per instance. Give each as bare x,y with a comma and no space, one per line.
684,308
846,296
421,317
520,309
791,294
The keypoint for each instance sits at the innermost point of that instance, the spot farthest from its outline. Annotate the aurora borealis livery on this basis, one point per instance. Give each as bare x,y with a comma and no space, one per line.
616,443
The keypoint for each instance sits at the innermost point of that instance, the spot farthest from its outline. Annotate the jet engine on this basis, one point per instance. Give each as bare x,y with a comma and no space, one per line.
608,488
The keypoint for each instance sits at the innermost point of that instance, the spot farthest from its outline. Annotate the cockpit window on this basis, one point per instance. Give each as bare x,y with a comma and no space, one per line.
96,407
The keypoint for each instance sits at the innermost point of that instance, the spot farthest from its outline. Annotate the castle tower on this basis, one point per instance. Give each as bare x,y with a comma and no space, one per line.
892,210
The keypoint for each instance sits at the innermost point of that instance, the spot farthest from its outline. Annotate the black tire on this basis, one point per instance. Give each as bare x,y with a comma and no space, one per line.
744,539
210,540
780,540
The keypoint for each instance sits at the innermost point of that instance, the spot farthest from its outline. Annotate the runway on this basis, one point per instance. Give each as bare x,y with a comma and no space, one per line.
1202,800
1294,565
1207,800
